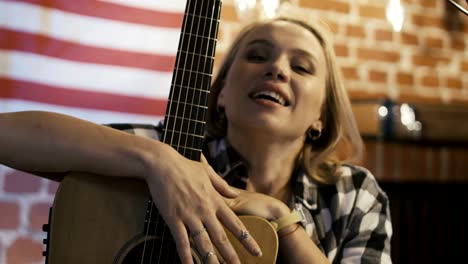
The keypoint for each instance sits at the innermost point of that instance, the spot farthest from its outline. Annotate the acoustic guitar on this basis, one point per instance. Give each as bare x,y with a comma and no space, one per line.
100,220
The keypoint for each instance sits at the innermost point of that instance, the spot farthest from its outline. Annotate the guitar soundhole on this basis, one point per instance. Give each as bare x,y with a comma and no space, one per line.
155,250
154,245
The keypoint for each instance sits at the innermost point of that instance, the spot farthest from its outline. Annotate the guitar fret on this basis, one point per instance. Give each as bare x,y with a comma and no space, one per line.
187,124
180,147
181,125
190,71
193,62
184,133
190,88
198,26
190,111
187,104
191,94
197,54
201,37
193,37
194,80
199,47
203,8
185,119
201,16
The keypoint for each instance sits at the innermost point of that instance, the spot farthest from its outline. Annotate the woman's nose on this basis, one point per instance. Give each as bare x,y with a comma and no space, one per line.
278,70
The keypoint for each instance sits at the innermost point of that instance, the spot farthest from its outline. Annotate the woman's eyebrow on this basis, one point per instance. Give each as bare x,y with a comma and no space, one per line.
299,51
260,41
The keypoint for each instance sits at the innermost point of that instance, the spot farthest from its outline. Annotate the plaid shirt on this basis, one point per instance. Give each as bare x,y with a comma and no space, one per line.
349,221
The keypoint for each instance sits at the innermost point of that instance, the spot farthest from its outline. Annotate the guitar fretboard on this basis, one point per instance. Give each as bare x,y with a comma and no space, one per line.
188,98
184,123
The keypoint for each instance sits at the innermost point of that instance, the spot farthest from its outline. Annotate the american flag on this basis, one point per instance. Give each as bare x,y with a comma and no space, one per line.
100,60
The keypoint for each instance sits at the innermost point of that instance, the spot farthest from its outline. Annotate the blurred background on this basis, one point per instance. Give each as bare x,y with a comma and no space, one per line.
405,65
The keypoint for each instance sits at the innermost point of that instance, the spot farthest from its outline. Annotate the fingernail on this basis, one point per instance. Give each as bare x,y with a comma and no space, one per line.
259,253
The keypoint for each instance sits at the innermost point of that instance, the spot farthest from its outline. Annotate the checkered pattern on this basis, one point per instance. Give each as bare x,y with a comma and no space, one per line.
349,221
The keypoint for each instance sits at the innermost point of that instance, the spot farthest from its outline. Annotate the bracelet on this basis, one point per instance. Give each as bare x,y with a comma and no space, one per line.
287,220
290,232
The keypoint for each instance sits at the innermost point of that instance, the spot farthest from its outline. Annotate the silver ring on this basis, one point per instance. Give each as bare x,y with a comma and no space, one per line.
244,235
199,232
208,254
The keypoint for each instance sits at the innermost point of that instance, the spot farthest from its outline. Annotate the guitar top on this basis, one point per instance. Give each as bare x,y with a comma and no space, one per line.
99,220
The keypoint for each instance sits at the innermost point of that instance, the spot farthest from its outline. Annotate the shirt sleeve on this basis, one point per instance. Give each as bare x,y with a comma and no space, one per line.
369,232
144,130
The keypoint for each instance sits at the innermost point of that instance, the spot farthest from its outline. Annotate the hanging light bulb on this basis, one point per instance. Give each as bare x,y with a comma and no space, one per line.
258,9
395,14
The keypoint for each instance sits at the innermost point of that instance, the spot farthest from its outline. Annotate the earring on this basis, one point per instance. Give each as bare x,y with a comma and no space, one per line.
313,134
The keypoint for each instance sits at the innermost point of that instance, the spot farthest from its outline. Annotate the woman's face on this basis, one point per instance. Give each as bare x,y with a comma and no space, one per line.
276,82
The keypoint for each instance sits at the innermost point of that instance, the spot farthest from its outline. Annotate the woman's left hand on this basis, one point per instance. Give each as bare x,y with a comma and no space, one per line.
257,204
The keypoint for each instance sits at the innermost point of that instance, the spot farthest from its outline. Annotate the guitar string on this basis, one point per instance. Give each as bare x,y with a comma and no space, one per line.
207,58
191,110
191,7
191,38
195,51
164,140
211,5
199,41
199,5
188,9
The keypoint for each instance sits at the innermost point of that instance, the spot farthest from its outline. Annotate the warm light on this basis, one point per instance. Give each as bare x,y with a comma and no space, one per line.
383,111
408,118
395,14
257,9
407,114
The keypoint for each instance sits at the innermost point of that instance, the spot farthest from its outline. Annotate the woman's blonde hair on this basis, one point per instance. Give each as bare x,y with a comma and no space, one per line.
320,157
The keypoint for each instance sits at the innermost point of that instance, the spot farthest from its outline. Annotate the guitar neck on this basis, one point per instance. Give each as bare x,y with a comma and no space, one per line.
184,123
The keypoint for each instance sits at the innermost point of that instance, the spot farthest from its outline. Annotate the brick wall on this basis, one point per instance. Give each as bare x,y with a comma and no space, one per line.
24,206
426,62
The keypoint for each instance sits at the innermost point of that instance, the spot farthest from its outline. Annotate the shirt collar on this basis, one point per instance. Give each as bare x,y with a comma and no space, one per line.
305,191
228,163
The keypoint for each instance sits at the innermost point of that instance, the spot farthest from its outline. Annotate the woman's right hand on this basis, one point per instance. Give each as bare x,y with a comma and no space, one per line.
189,196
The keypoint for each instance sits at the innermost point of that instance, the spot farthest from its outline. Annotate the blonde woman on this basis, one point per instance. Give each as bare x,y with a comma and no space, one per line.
277,113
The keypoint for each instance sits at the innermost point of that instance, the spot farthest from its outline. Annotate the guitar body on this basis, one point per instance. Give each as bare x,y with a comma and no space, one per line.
99,220
105,220
92,218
